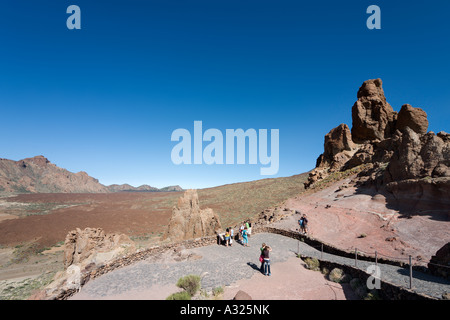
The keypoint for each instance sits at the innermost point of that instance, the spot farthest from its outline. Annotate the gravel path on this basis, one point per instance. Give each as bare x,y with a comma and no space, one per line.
223,266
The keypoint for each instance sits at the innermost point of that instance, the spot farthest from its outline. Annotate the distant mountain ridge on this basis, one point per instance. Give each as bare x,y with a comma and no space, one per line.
143,188
39,175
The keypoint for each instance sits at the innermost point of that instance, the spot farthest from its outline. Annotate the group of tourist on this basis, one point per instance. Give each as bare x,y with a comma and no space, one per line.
244,233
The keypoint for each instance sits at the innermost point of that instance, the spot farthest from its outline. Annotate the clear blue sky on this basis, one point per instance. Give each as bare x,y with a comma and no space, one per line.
105,99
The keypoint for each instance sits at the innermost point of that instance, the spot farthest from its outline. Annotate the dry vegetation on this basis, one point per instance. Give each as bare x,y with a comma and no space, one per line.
33,226
237,202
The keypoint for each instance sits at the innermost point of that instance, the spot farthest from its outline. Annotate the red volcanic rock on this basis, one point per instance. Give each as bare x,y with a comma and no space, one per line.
414,118
188,221
93,245
397,143
419,156
373,118
337,140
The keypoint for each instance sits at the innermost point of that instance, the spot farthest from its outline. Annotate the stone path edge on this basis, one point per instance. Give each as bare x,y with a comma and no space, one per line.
88,274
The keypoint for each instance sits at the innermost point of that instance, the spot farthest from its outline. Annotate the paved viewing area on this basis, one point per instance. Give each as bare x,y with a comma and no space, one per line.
221,266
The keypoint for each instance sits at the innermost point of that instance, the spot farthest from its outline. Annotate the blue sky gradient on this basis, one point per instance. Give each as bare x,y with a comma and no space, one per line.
105,99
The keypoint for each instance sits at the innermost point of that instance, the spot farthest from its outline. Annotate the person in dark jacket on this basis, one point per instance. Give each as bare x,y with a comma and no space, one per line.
266,257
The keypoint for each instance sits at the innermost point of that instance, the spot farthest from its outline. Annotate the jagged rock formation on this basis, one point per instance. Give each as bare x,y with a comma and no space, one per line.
84,251
399,152
94,246
188,221
414,118
373,118
339,147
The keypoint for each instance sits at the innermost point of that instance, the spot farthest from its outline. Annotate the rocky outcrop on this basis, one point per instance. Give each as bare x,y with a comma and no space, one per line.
418,156
413,118
440,263
338,147
94,246
396,147
391,152
84,252
188,221
373,118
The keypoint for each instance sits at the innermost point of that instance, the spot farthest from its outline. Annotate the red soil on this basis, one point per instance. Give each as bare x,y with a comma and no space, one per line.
135,214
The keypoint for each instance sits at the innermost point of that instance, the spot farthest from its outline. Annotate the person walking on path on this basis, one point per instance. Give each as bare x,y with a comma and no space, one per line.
245,237
266,251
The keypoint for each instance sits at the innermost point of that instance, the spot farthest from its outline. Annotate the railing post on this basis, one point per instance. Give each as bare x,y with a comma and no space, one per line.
376,259
321,251
410,272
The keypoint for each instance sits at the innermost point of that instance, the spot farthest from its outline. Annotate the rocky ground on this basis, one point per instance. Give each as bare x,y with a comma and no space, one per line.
232,268
236,269
352,217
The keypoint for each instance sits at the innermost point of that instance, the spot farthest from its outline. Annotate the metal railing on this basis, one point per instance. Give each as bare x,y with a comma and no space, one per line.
375,256
357,254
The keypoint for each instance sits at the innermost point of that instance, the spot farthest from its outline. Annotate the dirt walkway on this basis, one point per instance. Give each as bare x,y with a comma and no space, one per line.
233,268
290,280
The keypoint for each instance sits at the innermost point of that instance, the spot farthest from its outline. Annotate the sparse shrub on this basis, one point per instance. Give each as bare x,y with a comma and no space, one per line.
338,275
24,289
23,252
183,295
372,295
190,283
217,291
325,271
312,264
362,235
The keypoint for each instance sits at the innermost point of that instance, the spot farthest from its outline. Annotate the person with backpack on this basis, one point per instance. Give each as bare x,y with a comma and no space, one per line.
304,224
300,223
